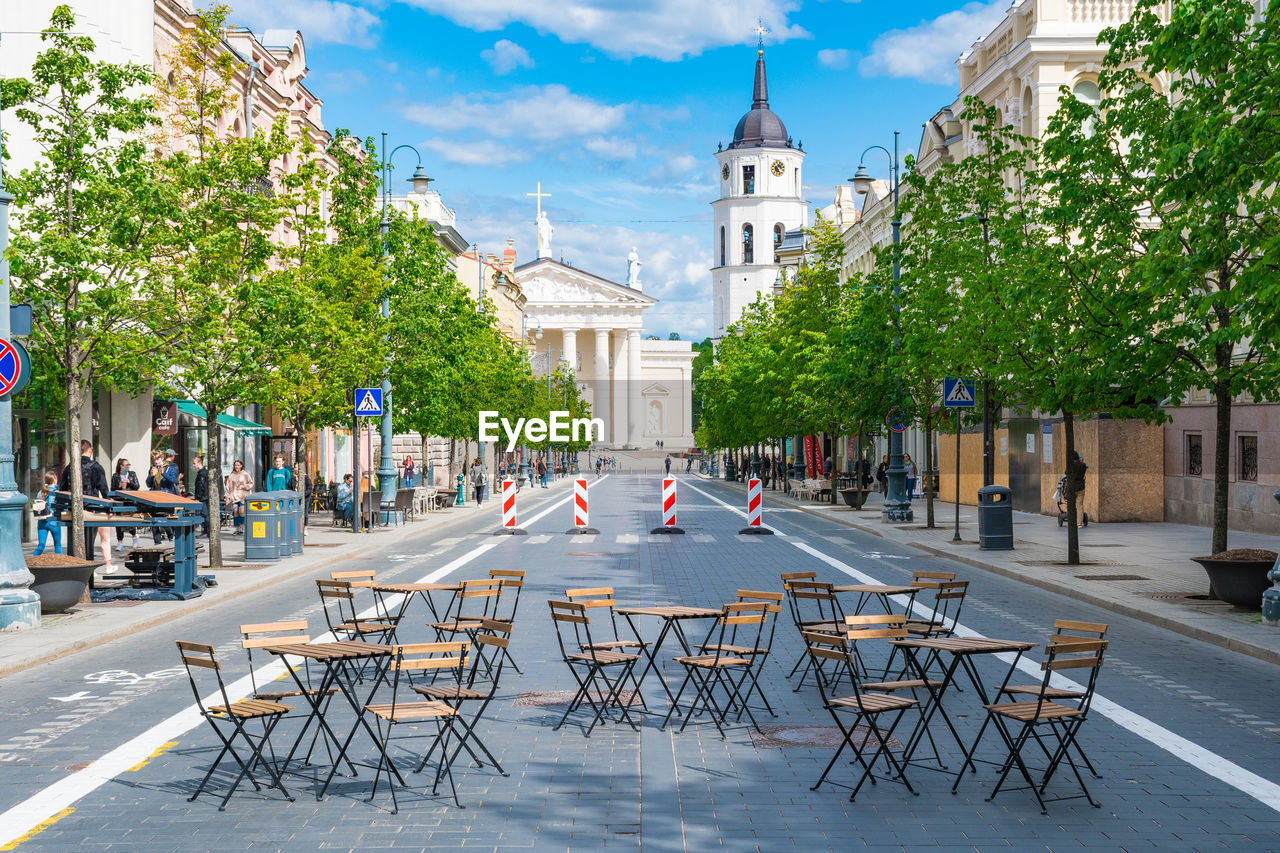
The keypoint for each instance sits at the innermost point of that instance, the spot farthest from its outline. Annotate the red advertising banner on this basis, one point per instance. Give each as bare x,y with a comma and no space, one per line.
808,455
164,417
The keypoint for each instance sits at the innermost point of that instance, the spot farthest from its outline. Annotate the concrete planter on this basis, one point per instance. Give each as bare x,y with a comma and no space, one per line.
1238,582
60,587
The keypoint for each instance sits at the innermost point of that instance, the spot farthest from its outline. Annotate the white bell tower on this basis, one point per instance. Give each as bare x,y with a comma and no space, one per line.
760,201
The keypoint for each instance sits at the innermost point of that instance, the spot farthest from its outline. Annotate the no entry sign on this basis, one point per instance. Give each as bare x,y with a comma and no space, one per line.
10,367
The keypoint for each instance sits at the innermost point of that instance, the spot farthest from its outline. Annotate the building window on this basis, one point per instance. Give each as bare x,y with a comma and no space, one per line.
778,232
1249,458
1087,91
721,245
748,245
1195,454
749,180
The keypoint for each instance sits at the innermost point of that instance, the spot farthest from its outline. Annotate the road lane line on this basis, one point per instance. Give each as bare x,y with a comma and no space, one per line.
1263,790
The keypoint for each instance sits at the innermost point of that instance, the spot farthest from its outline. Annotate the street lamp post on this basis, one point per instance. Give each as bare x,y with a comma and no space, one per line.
897,505
421,183
19,606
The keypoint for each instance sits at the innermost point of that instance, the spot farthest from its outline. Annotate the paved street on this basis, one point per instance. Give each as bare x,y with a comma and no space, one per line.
100,748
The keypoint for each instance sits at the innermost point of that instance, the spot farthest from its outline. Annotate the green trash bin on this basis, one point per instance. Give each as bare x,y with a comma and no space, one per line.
261,524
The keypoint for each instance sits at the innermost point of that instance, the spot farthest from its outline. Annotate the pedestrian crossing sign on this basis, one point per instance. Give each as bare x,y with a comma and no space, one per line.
957,393
368,402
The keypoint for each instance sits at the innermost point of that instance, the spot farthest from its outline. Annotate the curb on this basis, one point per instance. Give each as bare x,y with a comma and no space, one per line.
203,603
1159,620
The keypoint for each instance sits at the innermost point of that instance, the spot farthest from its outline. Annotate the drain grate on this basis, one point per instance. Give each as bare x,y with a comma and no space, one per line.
792,737
1111,578
1040,564
1197,598
588,553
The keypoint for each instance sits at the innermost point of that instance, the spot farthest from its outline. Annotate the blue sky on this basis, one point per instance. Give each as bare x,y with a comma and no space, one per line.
616,106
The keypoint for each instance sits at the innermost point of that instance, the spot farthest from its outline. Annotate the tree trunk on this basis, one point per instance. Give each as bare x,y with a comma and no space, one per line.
928,468
1073,511
213,464
1221,449
300,465
76,384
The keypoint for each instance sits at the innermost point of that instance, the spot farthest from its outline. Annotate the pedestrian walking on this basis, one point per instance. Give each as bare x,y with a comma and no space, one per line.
541,467
599,466
121,481
1076,469
93,482
201,491
46,522
279,476
236,486
912,474
688,464
666,463
882,475
169,474
478,480
408,472
345,505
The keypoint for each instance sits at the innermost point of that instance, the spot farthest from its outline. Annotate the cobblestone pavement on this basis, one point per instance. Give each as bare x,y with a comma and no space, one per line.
103,743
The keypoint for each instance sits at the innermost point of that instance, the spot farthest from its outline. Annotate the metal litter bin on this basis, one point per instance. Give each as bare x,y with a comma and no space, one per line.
995,518
261,523
293,526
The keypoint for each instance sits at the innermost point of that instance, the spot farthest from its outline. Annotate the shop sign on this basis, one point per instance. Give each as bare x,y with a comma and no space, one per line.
164,417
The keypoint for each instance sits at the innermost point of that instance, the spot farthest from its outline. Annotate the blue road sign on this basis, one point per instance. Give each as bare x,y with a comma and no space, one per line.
368,402
957,393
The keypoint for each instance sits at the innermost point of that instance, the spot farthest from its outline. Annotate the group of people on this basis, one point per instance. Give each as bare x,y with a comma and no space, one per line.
163,475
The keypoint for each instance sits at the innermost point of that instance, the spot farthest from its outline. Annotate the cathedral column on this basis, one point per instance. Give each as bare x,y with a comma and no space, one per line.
570,353
635,405
686,397
600,402
620,390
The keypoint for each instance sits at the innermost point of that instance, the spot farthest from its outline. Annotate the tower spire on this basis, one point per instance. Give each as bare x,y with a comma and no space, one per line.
760,96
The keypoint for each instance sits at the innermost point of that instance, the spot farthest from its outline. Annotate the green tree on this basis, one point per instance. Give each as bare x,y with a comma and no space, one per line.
1185,168
224,201
84,224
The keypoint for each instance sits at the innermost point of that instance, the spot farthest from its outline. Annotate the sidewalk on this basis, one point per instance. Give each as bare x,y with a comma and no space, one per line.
1142,570
88,625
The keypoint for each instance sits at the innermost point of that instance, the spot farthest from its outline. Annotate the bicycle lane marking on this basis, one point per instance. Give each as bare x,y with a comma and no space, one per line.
1224,770
42,809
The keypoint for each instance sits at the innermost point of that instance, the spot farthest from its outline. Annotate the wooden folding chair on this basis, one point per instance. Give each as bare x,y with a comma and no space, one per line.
1058,719
864,706
261,634
720,669
476,601
602,596
476,688
235,715
418,657
944,596
590,665
338,595
816,608
757,653
508,603
1064,631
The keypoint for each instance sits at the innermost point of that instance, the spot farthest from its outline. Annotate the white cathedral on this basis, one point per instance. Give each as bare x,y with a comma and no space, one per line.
760,202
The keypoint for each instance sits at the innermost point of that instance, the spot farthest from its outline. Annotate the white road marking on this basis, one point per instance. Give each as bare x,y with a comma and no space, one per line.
78,696
1247,782
51,800
540,539
628,539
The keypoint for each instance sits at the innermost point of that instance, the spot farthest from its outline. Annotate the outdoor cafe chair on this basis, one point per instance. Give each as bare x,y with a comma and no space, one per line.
448,658
476,601
861,706
338,601
508,603
720,670
946,599
228,721
476,688
261,634
604,669
602,596
815,607
1064,631
757,652
1022,722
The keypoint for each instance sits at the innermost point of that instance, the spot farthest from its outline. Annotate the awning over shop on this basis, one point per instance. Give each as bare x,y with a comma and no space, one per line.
240,425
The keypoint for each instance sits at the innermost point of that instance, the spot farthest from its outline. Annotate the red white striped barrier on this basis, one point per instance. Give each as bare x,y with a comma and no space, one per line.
509,510
668,507
754,506
580,508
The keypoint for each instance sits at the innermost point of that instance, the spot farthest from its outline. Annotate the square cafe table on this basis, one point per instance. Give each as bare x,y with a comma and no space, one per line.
880,591
963,651
409,590
336,658
671,615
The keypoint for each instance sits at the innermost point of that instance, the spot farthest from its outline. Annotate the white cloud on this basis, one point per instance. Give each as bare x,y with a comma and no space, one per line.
476,152
927,52
662,29
675,167
319,20
834,57
506,56
542,113
612,148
